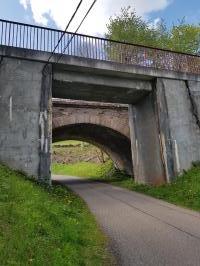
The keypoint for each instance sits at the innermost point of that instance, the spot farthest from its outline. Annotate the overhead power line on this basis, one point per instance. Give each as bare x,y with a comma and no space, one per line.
71,19
77,30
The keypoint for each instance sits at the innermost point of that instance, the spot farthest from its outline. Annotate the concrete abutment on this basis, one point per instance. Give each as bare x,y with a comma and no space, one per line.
144,133
25,107
165,131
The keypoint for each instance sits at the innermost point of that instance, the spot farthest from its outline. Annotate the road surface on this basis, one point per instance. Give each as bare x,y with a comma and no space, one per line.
142,230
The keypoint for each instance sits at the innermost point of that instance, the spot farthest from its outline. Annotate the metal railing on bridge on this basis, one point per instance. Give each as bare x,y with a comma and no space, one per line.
38,38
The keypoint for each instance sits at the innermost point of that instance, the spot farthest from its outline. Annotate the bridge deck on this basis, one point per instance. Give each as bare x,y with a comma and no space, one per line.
44,39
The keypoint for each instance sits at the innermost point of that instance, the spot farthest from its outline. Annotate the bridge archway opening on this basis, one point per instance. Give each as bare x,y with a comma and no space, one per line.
111,142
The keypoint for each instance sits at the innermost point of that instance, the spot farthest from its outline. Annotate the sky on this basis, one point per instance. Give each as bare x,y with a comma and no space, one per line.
56,13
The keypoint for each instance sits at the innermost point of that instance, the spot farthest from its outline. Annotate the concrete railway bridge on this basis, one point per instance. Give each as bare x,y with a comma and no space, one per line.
160,87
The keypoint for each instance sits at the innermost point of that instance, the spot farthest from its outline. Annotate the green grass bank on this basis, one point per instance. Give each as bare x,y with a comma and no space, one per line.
46,226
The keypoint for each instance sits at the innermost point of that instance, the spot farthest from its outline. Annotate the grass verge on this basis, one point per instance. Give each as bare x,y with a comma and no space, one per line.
84,169
46,226
184,191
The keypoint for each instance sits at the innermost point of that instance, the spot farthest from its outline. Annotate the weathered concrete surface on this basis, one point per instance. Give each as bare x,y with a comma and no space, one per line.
71,63
165,131
178,122
45,125
93,87
142,230
86,79
146,151
24,116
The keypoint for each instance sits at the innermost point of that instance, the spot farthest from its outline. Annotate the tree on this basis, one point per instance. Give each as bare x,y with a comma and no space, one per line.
185,38
128,27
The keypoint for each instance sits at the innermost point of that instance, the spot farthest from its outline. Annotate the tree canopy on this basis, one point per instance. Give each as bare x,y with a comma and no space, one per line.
127,26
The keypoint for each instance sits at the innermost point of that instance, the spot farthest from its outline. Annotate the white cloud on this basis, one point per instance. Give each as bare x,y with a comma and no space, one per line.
155,23
61,10
24,3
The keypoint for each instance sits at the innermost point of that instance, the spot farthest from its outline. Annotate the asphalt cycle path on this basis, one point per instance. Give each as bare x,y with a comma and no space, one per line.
142,230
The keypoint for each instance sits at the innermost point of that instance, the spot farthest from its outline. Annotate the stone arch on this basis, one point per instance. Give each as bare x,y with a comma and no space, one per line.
79,112
115,144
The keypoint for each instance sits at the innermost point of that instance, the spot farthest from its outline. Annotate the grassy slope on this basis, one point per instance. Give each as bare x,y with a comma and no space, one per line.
82,169
46,226
185,191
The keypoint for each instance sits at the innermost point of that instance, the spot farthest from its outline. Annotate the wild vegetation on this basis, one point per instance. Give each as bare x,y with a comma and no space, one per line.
127,26
69,152
46,226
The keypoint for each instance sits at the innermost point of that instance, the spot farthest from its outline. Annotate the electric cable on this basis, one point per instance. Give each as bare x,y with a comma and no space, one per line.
71,19
92,5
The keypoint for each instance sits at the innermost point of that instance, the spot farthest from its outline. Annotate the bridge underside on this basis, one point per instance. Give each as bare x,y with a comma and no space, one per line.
116,145
90,80
73,83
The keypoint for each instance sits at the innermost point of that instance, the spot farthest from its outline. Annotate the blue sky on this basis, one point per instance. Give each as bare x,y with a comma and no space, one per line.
178,9
56,13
